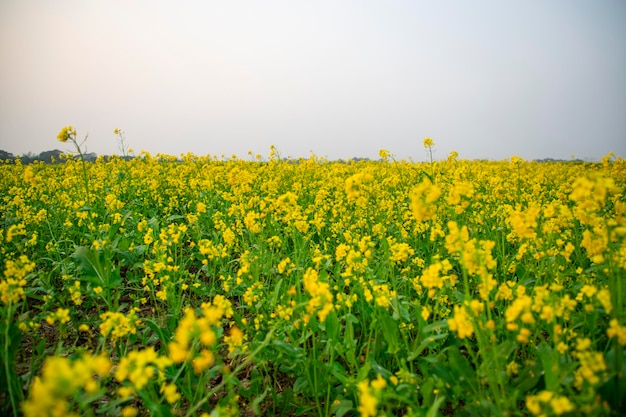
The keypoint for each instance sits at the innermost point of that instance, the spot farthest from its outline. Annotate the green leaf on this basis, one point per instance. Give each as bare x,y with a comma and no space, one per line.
123,245
332,326
462,366
174,217
378,369
163,334
529,377
340,409
276,293
300,385
550,362
432,411
89,262
427,390
613,391
364,371
426,342
390,333
257,402
340,373
115,279
291,353
349,342
304,410
492,360
435,327
399,311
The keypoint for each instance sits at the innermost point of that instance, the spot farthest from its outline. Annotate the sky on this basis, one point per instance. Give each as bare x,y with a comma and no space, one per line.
335,78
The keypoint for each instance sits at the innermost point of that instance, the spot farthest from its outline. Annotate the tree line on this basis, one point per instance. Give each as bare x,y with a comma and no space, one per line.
48,157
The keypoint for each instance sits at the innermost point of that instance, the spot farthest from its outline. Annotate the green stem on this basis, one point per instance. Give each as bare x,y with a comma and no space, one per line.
317,401
192,351
82,160
478,389
618,290
327,405
7,369
495,381
241,366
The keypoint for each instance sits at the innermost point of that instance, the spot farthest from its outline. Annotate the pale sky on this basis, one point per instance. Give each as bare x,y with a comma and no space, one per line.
488,79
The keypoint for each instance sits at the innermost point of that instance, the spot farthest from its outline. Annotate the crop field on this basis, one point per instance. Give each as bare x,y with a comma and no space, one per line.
205,286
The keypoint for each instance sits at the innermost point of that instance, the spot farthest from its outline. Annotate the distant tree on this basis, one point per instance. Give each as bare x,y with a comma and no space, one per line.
28,158
91,157
4,155
50,156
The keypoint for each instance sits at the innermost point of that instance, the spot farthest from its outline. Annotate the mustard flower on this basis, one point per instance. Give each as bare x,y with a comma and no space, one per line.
116,325
235,339
61,380
367,400
140,367
321,297
62,315
461,323
617,331
400,252
15,272
423,197
67,133
170,392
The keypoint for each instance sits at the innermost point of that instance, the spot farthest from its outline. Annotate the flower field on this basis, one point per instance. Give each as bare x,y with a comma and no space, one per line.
206,286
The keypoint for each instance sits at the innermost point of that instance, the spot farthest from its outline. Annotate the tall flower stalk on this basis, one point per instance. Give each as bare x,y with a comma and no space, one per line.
124,148
429,145
68,134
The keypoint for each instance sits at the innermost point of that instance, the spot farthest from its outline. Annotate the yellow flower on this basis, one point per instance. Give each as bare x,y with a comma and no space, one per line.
62,379
202,361
512,368
170,393
423,197
139,367
357,185
129,411
523,335
320,294
367,400
400,252
379,383
561,405
178,353
62,315
461,323
604,297
29,175
116,325
66,134
15,273
235,339
523,223
615,330
428,143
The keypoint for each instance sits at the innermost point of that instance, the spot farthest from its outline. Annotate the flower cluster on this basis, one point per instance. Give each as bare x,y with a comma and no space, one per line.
61,379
